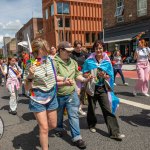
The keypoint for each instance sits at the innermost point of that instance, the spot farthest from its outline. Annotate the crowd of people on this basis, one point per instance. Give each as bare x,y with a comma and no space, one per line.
60,79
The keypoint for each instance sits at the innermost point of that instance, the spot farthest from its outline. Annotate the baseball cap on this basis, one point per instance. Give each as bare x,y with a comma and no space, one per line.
65,45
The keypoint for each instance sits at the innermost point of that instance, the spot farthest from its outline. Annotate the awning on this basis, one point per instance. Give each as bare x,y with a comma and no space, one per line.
126,37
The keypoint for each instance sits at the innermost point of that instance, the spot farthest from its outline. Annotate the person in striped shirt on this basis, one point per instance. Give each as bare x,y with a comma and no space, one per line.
40,80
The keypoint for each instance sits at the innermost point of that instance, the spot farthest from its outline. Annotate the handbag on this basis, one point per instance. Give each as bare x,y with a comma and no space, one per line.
90,87
107,86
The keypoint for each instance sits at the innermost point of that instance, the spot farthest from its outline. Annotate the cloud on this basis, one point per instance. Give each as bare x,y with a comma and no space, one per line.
1,39
15,13
13,25
9,29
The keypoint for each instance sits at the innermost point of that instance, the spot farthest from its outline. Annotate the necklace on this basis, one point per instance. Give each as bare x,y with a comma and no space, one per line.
45,68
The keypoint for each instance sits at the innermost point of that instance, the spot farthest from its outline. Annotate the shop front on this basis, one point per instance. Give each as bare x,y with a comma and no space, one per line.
123,37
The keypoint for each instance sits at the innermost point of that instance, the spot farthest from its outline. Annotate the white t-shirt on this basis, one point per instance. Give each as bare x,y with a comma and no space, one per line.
143,53
118,60
11,73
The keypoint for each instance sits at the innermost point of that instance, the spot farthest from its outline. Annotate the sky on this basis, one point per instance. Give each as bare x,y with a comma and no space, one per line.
15,13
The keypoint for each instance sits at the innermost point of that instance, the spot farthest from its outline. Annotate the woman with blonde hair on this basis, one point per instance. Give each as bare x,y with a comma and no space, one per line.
142,54
40,80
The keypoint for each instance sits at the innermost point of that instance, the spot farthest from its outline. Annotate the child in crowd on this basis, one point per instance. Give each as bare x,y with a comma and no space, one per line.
117,66
13,73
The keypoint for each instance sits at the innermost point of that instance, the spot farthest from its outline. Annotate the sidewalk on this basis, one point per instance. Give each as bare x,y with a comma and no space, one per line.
129,67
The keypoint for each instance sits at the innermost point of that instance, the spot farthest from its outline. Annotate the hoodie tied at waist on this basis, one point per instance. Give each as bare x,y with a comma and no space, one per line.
14,82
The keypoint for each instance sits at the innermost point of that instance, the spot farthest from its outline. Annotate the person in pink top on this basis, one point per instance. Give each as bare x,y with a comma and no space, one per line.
143,68
13,73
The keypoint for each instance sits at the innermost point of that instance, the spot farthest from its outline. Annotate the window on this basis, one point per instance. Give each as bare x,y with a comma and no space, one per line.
93,37
120,19
46,14
67,22
63,8
87,37
141,7
63,22
119,8
60,22
68,36
62,35
59,36
52,10
99,36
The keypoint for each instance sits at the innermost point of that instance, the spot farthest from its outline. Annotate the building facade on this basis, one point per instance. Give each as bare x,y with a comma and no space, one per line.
12,47
32,28
1,52
6,40
70,20
123,20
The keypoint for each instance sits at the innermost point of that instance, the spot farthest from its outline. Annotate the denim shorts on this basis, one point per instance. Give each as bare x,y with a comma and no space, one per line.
37,107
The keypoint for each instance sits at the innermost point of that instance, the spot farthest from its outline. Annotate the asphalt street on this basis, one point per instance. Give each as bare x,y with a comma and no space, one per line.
21,131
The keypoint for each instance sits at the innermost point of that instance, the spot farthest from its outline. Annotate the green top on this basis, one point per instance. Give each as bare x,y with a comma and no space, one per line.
68,70
44,77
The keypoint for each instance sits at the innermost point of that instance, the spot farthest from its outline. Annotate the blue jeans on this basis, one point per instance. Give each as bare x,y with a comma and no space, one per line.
121,74
71,103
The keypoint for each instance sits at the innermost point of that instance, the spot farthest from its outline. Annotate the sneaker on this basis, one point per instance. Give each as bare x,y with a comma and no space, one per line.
80,144
61,133
117,137
126,84
134,93
145,94
12,112
93,130
81,112
115,84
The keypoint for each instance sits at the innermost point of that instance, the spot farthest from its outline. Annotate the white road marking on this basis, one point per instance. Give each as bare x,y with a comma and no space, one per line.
140,105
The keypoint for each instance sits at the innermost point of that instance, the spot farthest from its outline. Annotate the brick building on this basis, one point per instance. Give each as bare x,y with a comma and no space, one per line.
123,20
6,40
32,28
1,52
11,47
69,20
